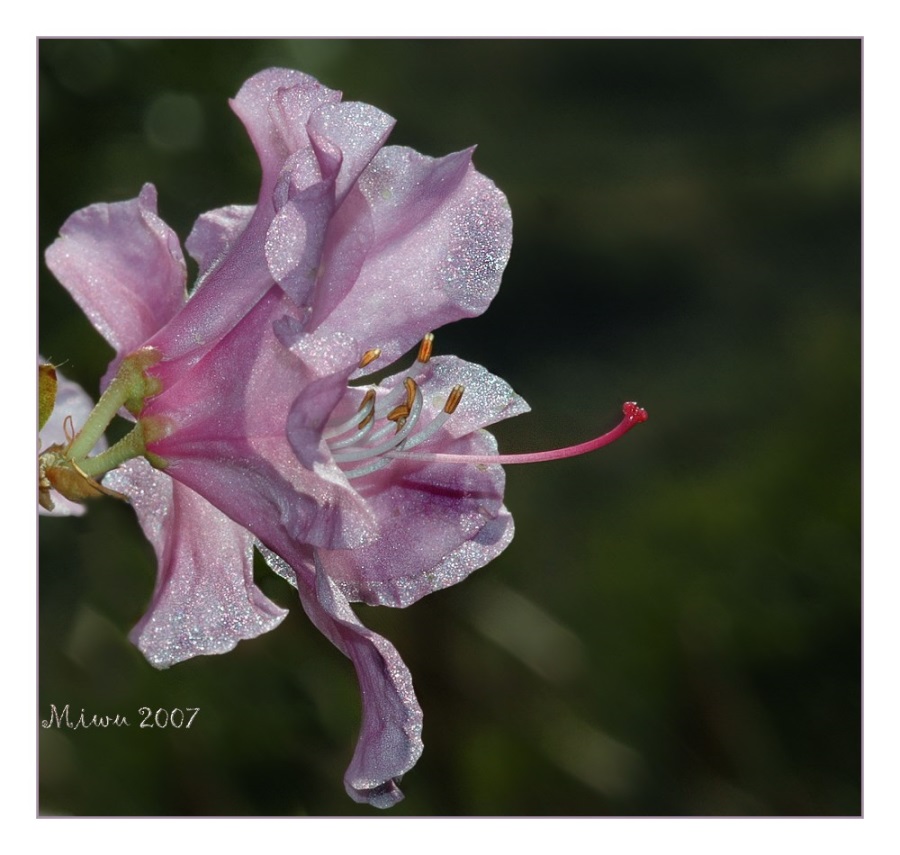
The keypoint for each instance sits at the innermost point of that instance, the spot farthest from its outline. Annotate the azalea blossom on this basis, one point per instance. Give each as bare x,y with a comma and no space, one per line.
254,423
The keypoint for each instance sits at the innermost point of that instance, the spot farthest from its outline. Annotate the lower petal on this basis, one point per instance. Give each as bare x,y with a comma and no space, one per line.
205,600
390,739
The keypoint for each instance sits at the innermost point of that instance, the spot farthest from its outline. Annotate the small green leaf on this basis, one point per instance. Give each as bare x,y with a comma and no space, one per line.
46,393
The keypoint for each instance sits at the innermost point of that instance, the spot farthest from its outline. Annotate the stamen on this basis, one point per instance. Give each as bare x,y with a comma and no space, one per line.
367,406
425,348
354,454
363,430
400,413
453,399
359,419
438,421
411,388
369,357
633,415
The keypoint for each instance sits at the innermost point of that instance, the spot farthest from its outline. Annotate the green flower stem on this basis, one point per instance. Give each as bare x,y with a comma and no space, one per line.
128,389
109,404
129,446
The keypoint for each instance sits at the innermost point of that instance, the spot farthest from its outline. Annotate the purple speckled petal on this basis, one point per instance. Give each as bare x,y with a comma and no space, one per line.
325,360
437,237
437,521
296,235
123,265
205,600
390,739
71,401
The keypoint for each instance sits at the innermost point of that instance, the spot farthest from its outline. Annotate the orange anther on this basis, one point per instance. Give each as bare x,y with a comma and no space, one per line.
369,357
453,399
410,392
425,348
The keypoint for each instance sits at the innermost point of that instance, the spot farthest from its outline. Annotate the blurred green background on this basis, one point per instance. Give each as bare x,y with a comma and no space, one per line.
676,627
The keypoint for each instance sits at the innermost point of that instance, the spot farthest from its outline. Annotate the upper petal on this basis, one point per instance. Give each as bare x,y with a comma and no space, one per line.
275,106
123,265
437,237
342,140
205,600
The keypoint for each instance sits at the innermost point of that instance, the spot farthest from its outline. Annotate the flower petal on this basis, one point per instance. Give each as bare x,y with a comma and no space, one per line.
390,739
438,236
437,522
123,265
343,139
487,398
357,131
205,600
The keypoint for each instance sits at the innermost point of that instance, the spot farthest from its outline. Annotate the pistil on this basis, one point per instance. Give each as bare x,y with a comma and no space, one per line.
632,415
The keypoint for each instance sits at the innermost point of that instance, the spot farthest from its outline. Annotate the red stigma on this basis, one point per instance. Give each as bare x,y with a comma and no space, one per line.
633,412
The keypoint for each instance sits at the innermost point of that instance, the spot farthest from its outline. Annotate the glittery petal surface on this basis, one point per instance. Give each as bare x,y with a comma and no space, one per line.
205,600
437,522
437,237
487,399
390,738
357,131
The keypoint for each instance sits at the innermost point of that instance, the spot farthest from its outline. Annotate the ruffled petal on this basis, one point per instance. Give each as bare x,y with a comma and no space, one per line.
343,138
123,265
205,600
296,235
390,739
437,236
356,132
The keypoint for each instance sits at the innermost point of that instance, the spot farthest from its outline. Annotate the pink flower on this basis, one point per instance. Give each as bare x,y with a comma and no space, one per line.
253,423
246,408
